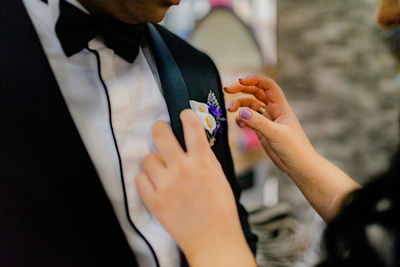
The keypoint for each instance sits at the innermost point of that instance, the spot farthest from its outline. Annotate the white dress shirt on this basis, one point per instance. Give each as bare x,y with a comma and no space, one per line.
136,102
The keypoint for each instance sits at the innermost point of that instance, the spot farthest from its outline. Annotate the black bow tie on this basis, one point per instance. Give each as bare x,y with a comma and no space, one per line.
75,29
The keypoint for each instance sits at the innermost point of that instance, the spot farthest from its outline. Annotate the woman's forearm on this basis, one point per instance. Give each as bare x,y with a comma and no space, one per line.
324,185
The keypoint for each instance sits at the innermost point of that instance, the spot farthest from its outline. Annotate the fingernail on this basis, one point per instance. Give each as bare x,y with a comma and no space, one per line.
230,105
240,123
226,87
245,114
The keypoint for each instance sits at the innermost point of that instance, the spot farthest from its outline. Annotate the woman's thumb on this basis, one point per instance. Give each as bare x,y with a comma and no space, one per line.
258,122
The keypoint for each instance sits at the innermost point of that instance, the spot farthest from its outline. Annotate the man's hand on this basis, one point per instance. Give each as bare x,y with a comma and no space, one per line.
191,197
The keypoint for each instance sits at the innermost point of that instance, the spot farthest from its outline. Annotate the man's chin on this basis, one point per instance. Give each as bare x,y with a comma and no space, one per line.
154,17
157,17
174,2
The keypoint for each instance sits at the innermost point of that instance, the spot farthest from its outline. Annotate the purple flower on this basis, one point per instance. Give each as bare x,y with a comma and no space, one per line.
218,128
216,111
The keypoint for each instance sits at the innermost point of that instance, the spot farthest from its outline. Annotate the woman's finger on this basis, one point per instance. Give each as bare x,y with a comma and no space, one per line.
166,143
245,102
240,123
272,90
253,90
260,123
146,189
271,154
195,135
155,169
273,111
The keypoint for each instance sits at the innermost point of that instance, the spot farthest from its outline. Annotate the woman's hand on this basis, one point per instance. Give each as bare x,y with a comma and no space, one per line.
323,184
271,116
191,197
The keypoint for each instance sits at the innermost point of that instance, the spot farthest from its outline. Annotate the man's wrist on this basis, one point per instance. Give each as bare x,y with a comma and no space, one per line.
227,253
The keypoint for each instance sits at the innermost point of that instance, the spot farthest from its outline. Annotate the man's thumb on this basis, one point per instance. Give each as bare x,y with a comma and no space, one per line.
258,122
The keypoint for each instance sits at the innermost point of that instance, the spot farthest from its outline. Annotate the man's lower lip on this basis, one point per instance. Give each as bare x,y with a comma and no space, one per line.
175,2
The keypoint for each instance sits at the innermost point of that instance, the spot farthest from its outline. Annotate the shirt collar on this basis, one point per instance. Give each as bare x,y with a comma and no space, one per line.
55,8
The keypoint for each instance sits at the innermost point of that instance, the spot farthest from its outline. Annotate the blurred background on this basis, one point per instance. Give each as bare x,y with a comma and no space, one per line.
336,68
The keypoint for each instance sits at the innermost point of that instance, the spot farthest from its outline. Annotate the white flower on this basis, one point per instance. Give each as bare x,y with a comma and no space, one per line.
198,107
207,120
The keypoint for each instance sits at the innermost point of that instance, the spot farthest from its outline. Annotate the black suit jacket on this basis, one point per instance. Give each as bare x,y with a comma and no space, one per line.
53,208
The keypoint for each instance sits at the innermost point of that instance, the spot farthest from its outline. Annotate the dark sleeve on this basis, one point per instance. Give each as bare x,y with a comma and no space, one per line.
227,165
348,240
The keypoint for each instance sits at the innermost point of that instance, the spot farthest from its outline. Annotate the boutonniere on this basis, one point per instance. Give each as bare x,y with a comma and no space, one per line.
210,115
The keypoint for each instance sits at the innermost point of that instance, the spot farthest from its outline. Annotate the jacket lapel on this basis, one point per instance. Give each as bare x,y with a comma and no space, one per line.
29,85
173,85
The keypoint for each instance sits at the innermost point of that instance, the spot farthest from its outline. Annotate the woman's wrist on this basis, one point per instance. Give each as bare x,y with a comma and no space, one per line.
309,164
323,184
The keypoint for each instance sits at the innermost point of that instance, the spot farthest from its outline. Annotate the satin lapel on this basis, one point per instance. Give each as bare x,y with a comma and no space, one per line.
173,85
31,87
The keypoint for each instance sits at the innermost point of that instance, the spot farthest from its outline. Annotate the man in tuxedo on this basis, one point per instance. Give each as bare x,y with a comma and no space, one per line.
81,83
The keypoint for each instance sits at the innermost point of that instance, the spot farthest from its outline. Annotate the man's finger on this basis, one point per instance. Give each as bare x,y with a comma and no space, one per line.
166,143
195,135
154,168
146,189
